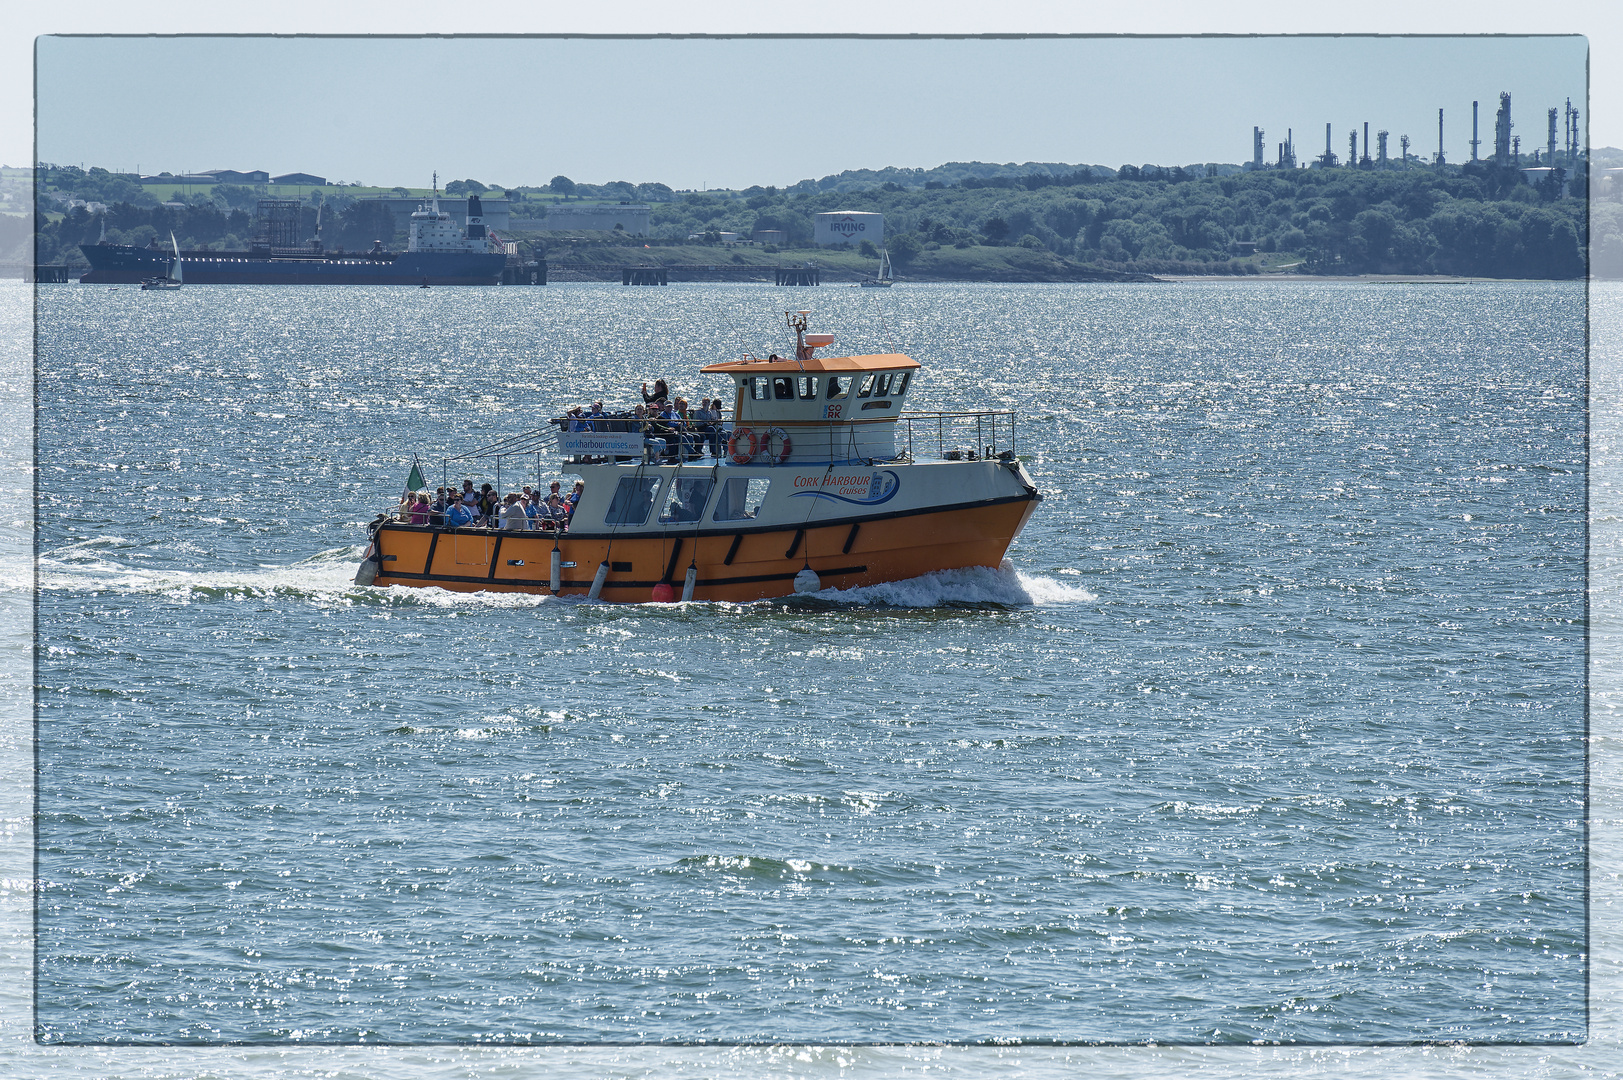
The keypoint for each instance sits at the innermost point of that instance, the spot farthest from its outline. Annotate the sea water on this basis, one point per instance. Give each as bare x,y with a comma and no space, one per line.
1271,728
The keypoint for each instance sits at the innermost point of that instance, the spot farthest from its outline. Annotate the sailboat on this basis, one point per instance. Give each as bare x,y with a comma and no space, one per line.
883,281
173,281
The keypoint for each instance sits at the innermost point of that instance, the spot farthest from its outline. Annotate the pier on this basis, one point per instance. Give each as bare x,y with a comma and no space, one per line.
800,275
530,273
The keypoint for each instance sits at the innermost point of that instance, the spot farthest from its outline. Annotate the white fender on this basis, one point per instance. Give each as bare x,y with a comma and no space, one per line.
687,583
557,571
597,581
807,581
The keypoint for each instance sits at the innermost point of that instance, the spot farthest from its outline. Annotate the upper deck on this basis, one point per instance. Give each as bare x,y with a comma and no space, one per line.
814,365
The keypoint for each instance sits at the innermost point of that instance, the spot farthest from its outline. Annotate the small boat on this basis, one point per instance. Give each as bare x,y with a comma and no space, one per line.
173,280
883,281
824,482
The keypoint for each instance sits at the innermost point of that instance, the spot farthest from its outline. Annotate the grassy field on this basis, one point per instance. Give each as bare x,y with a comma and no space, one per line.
944,264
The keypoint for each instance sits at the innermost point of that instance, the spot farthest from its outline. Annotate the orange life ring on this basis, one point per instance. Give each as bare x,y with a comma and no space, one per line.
787,444
737,452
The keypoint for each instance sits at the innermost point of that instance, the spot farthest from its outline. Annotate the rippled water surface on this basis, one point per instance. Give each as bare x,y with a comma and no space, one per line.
1271,728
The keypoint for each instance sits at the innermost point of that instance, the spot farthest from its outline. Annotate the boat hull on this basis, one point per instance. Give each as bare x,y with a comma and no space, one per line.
734,565
117,264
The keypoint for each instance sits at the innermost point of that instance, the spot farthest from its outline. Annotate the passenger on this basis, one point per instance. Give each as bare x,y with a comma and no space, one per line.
469,496
489,505
714,432
578,420
573,498
556,514
651,437
461,514
658,396
676,414
513,516
532,511
420,511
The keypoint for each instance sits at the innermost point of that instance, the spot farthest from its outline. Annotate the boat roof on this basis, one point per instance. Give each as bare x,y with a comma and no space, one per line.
875,362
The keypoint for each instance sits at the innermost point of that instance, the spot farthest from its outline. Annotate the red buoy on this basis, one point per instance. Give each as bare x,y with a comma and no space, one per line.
664,593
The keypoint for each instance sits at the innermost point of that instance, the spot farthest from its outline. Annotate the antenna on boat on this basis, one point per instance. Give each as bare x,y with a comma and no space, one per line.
797,323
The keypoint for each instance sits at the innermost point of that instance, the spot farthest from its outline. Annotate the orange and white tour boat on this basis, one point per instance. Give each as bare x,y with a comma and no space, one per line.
825,483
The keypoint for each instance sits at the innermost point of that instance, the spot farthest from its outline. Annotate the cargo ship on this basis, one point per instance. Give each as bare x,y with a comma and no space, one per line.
439,253
824,482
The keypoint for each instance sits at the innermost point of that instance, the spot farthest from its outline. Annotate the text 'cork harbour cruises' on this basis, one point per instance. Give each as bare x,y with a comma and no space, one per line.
819,481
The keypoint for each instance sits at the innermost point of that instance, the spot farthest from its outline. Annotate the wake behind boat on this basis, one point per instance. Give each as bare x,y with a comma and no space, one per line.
824,483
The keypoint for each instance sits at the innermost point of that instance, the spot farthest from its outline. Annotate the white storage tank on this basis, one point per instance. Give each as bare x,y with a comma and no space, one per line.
849,227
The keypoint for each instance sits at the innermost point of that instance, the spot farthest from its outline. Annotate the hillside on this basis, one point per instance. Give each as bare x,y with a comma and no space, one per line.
1013,223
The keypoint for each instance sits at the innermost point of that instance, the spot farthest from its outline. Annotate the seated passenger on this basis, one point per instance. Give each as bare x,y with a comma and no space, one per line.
460,514
578,420
652,431
420,510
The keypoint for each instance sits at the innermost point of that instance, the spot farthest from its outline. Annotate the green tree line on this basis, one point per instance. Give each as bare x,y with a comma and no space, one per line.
1475,220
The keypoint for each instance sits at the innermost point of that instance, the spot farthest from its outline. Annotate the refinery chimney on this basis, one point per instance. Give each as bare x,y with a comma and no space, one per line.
1256,144
1501,131
1550,150
1475,142
1440,160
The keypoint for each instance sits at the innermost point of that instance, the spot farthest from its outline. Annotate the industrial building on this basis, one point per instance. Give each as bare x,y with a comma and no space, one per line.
848,227
1506,145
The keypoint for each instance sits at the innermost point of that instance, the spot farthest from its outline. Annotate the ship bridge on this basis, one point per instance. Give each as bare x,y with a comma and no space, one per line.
832,408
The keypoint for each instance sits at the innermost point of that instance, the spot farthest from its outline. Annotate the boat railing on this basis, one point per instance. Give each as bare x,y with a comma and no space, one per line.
957,436
947,436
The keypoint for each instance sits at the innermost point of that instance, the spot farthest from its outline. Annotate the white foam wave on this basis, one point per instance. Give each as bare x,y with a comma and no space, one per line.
331,575
972,585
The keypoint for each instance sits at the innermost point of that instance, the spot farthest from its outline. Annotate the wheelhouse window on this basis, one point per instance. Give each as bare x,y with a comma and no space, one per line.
741,498
837,389
783,388
807,385
760,388
633,498
899,386
882,387
867,385
686,499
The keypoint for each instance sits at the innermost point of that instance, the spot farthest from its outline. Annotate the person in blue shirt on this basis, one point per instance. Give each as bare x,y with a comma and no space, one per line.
461,514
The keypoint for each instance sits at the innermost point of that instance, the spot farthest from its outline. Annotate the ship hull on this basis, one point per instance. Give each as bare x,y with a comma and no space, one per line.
118,264
734,565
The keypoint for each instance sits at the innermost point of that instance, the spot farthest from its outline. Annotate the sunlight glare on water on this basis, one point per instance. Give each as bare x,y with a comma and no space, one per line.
1270,728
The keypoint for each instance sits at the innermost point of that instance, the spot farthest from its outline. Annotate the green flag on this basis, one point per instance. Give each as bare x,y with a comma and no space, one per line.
415,481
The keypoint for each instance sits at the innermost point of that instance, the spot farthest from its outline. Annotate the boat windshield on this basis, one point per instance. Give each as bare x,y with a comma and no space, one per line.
686,499
741,498
633,498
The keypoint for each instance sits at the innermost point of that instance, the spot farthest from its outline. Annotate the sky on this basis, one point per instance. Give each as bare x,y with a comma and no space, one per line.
730,112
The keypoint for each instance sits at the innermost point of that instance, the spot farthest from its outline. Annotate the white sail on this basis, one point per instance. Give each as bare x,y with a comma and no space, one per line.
174,267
